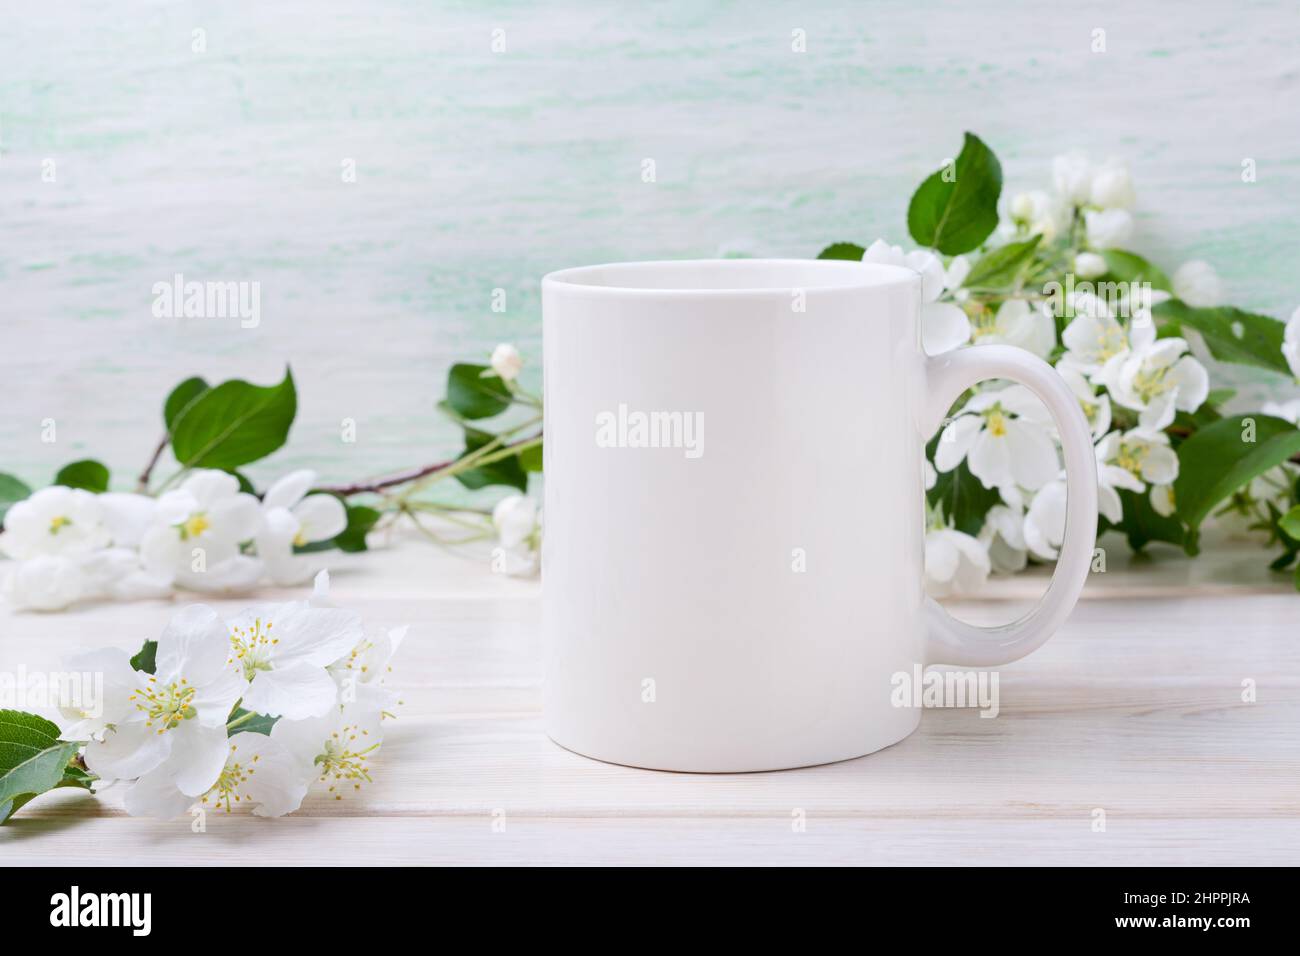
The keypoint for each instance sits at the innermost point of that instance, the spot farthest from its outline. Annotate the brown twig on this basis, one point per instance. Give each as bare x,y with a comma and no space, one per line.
142,483
402,478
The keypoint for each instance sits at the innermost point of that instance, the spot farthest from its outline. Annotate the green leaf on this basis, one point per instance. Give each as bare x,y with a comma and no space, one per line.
1218,460
531,458
87,473
12,491
1124,266
956,216
361,519
964,498
1232,335
1001,266
32,759
843,250
144,659
506,471
1219,396
472,394
234,423
1142,524
180,399
1290,523
257,724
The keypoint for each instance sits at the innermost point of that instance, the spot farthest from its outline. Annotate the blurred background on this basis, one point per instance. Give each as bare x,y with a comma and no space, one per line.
380,169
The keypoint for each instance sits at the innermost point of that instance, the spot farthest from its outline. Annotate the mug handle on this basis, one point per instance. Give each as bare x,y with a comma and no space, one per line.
950,641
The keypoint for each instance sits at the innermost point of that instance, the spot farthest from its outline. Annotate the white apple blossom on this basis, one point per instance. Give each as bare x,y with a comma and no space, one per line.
1003,537
1044,527
1000,435
47,582
1144,456
1162,500
955,563
1072,175
1112,186
283,650
1107,228
1096,408
1291,343
335,748
1094,339
291,519
1156,378
1197,284
257,773
1016,322
361,672
169,730
956,273
507,362
1038,213
196,533
944,325
1089,265
517,520
54,521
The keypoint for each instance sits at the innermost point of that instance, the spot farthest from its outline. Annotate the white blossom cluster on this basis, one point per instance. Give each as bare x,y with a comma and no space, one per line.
175,737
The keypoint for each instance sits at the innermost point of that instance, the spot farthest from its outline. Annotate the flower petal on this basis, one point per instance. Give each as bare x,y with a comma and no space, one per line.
290,489
955,441
155,795
294,692
321,517
197,757
128,750
944,326
196,644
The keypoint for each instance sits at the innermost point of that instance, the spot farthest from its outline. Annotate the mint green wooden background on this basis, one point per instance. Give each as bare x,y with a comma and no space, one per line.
478,170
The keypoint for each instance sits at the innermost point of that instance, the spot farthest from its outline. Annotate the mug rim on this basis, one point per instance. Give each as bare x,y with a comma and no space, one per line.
852,276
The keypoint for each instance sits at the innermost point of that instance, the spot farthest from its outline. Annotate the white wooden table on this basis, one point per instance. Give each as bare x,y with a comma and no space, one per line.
1135,708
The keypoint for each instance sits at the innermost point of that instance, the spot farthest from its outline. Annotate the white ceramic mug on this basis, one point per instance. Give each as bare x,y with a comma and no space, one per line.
711,426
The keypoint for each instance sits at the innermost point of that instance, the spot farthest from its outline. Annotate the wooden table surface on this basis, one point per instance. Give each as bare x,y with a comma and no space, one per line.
1135,709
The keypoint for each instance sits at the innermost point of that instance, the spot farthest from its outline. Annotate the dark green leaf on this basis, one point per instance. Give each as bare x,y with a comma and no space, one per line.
360,520
956,216
32,758
472,394
964,498
506,471
180,398
12,491
1124,266
1219,396
1142,524
1219,459
257,724
842,250
234,423
144,659
531,458
1231,335
1000,268
87,473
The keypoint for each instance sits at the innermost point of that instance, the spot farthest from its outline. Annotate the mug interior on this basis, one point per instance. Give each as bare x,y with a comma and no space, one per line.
732,275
